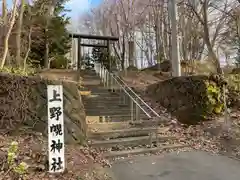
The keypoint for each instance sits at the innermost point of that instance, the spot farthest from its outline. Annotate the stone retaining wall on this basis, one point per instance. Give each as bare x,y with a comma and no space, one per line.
24,105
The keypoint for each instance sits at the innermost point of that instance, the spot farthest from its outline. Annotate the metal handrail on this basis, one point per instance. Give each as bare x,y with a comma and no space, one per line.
129,95
111,74
117,79
140,99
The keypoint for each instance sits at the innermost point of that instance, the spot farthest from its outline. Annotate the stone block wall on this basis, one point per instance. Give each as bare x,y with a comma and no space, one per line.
24,105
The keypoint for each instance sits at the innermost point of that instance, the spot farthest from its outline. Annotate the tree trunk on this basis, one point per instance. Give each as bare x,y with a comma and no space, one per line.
48,18
5,20
18,35
131,53
123,53
28,50
13,18
211,53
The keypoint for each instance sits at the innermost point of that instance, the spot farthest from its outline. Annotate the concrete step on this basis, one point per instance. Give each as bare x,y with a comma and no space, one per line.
110,110
101,92
107,126
116,118
126,153
97,88
95,95
103,106
129,141
109,119
110,114
103,100
112,102
126,132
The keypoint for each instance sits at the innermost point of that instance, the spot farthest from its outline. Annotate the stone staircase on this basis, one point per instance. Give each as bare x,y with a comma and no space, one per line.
110,127
102,104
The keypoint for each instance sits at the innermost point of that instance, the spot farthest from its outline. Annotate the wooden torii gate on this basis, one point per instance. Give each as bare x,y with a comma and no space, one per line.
95,37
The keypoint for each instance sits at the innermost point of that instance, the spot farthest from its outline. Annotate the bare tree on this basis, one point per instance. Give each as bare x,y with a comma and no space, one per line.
201,28
19,33
202,13
11,23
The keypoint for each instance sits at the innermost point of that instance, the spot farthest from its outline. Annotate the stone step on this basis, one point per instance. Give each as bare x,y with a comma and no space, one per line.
108,103
126,132
108,119
116,117
100,96
100,92
97,88
105,101
111,111
107,109
108,113
96,96
126,153
105,104
124,125
129,141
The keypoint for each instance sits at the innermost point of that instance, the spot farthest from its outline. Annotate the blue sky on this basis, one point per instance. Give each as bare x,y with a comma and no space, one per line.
80,6
77,6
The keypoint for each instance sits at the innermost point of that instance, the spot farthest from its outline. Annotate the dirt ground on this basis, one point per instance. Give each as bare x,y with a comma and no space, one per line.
59,74
81,162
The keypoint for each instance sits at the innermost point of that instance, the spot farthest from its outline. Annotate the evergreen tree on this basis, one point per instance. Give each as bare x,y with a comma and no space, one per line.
58,37
100,55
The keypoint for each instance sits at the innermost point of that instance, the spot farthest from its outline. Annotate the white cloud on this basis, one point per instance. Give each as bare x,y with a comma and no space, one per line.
78,6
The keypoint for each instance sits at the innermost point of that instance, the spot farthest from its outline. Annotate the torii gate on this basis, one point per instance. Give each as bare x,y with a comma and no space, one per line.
95,37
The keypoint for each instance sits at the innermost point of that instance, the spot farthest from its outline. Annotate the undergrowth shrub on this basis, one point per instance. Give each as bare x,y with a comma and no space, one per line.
19,169
29,71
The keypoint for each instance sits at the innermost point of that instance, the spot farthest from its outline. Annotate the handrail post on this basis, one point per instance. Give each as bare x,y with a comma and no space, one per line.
121,95
105,77
101,74
157,139
137,111
124,99
99,69
111,83
132,109
107,80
